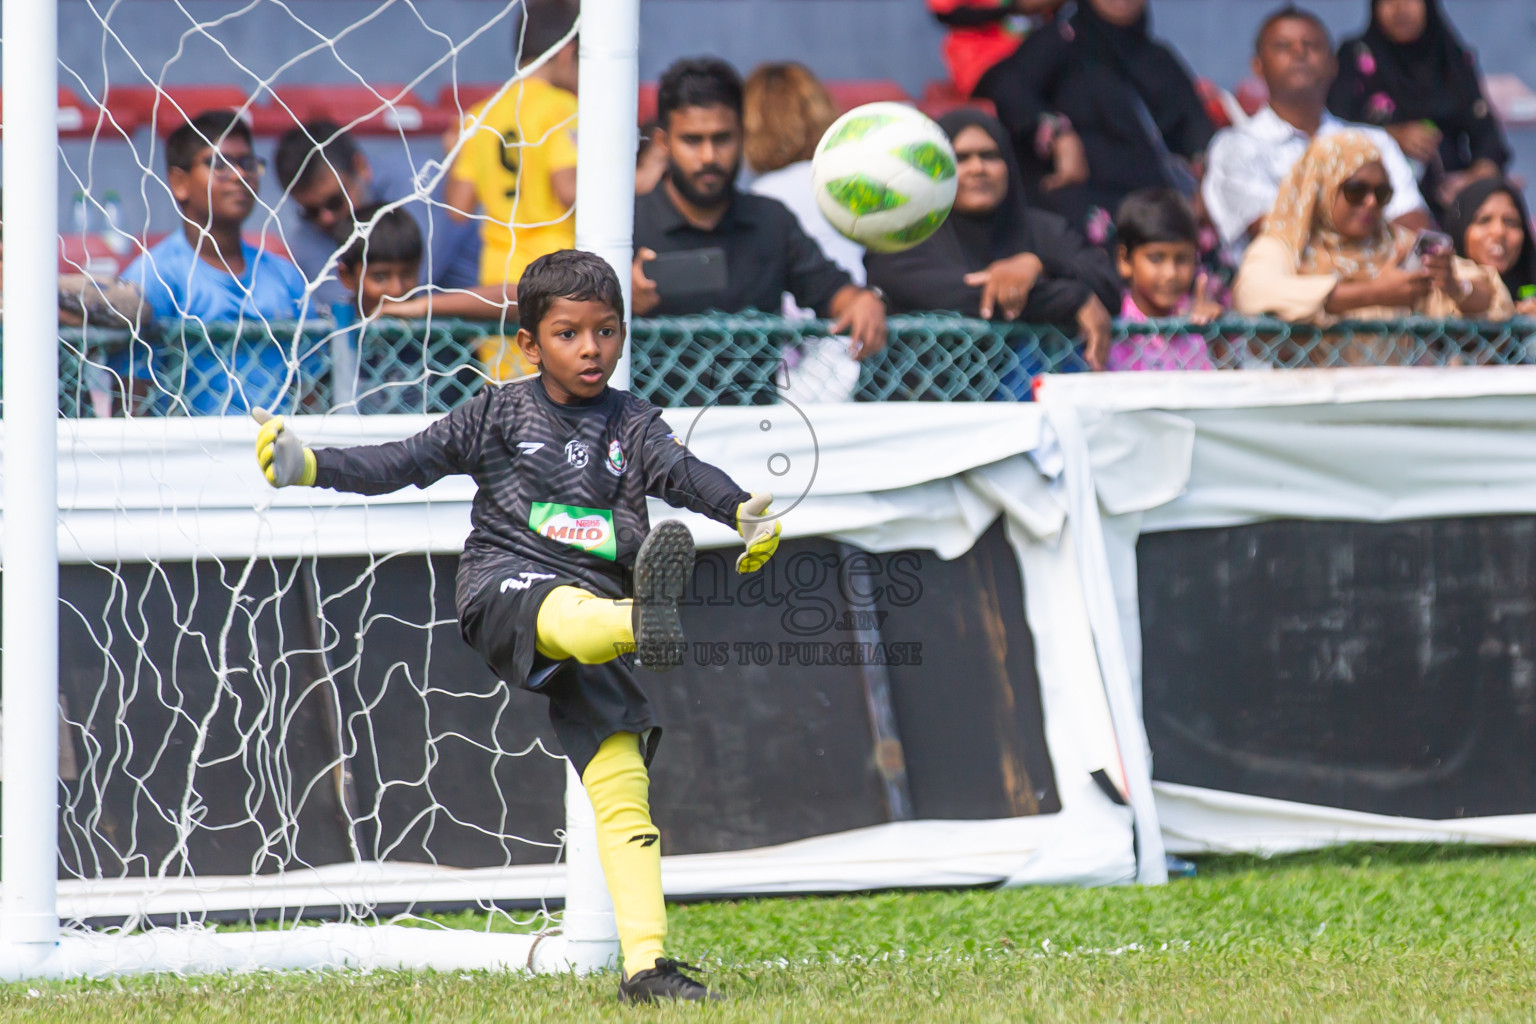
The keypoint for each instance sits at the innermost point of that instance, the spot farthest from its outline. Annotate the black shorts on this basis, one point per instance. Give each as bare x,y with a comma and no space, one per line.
587,703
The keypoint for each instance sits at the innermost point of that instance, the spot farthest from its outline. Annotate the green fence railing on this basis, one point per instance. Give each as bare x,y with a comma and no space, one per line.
429,367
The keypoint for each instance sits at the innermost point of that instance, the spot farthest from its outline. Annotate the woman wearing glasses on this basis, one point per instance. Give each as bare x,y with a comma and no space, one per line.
1327,254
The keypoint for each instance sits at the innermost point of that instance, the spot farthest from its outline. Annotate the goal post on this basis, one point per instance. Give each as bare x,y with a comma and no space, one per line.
29,921
607,137
607,141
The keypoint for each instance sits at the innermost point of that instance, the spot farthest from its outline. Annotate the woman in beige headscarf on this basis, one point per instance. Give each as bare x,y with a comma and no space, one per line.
1326,252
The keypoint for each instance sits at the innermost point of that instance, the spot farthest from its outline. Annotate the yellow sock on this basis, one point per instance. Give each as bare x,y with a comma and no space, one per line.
576,623
629,847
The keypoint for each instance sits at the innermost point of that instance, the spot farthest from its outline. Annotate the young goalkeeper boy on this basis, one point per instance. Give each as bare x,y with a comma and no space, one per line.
559,535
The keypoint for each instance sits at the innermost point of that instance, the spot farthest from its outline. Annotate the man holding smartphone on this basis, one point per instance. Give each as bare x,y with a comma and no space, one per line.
701,244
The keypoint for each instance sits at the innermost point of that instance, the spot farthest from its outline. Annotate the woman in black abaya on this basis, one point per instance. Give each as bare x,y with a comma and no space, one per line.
1412,75
995,257
1096,108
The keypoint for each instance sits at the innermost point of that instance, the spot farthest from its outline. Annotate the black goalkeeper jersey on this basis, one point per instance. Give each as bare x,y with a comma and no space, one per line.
561,487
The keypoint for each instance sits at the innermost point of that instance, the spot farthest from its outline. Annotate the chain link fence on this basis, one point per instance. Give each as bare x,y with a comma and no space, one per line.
393,366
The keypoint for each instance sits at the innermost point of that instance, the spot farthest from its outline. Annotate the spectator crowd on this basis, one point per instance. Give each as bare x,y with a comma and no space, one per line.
1092,185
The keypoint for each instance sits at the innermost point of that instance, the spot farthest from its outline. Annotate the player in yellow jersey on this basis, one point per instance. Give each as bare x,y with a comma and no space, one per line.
517,169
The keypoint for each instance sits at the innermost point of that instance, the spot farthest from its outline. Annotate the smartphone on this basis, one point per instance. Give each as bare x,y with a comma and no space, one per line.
692,272
1429,243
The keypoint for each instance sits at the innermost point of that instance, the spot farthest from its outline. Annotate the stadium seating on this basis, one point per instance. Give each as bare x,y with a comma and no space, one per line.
647,105
1252,94
460,96
857,92
77,117
385,109
168,107
453,98
407,112
940,97
1220,105
1512,99
391,109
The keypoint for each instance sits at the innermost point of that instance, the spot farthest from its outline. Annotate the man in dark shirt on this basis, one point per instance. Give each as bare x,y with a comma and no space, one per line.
697,206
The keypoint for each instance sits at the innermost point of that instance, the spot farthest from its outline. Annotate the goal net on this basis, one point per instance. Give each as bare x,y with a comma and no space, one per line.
265,711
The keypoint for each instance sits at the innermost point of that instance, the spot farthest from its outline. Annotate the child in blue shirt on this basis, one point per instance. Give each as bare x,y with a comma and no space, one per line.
206,272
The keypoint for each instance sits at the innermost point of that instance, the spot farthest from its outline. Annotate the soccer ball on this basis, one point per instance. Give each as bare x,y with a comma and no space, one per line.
884,176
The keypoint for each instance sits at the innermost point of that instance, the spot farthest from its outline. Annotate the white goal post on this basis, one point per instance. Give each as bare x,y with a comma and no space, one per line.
29,924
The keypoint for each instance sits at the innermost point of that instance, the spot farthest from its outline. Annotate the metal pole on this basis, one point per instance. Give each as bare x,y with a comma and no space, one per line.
30,631
607,139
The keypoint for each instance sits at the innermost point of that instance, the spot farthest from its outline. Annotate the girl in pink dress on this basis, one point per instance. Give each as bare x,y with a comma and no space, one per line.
1156,252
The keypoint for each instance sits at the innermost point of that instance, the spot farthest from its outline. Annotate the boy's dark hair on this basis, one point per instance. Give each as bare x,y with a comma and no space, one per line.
1290,12
395,237
545,23
1153,215
697,82
566,274
205,131
302,151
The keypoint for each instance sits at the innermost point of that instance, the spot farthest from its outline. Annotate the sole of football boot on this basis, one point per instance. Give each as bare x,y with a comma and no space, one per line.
662,570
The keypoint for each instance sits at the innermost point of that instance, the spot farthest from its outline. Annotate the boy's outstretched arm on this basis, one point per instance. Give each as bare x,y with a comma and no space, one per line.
480,302
694,484
446,447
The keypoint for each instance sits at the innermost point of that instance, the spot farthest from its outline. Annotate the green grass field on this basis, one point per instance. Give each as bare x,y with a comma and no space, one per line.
1360,934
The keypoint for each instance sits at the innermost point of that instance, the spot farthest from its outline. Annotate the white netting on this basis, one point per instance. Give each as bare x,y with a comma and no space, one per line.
281,72
267,706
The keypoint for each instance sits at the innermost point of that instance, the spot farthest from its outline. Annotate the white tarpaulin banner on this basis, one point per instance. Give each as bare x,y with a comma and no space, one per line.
1367,445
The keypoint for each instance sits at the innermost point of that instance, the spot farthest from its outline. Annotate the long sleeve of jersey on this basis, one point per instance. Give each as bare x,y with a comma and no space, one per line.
694,484
447,447
682,480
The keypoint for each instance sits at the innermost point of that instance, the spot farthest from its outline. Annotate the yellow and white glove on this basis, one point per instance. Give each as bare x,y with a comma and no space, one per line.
759,531
283,458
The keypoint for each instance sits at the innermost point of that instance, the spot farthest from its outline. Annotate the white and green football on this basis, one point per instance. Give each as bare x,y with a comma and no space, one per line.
884,176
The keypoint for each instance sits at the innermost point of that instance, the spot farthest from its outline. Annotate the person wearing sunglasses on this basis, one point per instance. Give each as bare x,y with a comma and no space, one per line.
207,272
1327,252
327,178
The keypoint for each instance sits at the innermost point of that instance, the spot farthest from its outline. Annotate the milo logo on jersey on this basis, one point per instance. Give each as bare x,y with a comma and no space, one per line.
589,529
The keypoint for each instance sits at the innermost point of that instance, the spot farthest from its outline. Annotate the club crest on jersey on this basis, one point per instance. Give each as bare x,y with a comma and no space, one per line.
576,452
615,461
589,529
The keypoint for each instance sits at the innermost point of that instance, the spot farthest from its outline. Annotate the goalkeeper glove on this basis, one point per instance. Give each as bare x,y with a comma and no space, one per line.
283,458
760,533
